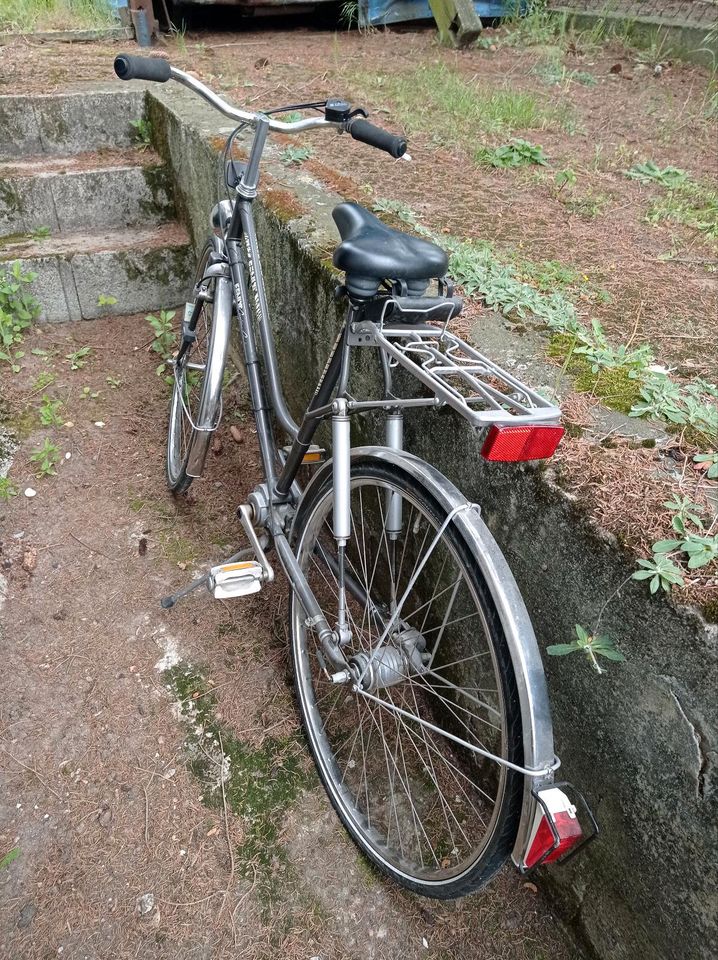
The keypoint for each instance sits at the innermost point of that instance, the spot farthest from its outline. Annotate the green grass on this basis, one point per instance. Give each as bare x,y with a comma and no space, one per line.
686,201
533,25
693,205
515,153
554,73
27,15
454,108
178,550
587,206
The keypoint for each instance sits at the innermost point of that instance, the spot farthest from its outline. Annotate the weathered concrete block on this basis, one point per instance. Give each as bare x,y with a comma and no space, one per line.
109,197
141,277
68,123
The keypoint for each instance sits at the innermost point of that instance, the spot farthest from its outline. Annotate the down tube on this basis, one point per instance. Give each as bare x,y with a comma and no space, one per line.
260,407
256,280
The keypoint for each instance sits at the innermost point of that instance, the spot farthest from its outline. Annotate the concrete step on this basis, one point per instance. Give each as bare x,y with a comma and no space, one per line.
67,123
145,268
93,191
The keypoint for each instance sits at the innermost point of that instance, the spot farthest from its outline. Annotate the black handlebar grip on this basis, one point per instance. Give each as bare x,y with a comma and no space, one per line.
376,137
142,68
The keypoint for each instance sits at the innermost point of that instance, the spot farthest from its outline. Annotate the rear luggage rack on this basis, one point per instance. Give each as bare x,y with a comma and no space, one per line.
455,372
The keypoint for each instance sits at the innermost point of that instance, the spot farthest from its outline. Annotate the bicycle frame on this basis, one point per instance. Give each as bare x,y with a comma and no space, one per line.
239,281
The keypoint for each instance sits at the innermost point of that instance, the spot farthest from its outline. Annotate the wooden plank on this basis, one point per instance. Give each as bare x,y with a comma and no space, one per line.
458,22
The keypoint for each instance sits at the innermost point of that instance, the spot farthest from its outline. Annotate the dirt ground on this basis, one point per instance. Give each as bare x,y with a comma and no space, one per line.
115,714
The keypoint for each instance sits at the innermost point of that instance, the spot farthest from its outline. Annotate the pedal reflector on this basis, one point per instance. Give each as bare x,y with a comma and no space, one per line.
313,455
236,579
555,829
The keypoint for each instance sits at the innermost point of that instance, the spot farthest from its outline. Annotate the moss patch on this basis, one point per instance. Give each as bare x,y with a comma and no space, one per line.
613,385
164,265
710,611
10,197
260,784
10,239
159,184
19,423
177,550
283,204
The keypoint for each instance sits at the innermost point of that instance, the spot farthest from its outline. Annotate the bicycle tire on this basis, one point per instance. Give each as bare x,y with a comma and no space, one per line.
181,434
448,881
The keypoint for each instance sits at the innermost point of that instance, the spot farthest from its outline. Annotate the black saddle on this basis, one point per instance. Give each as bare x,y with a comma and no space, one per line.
371,252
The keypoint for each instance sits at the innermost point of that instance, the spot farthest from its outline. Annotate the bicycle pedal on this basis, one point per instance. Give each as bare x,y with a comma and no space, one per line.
236,579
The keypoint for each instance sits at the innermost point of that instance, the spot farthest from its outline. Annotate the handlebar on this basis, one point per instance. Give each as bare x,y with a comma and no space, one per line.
142,68
158,70
366,132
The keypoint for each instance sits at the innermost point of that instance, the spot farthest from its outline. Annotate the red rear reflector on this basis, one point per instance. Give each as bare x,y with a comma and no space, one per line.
569,833
546,844
521,443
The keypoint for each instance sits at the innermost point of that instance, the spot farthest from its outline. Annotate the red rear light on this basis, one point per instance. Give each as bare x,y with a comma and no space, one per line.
521,443
555,831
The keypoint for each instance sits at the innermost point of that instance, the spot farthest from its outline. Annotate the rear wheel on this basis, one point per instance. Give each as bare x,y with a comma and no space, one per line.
191,393
397,746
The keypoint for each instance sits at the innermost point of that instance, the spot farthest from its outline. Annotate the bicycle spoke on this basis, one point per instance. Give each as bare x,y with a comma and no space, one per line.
432,773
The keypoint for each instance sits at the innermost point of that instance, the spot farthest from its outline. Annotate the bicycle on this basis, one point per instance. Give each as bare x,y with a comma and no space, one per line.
418,677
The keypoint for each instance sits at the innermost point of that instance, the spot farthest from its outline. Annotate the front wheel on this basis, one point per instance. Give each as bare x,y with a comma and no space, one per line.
397,746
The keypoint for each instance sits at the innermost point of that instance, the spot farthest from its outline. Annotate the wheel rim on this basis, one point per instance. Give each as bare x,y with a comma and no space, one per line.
188,386
422,805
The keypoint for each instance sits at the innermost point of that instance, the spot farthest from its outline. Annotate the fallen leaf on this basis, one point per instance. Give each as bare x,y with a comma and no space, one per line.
213,832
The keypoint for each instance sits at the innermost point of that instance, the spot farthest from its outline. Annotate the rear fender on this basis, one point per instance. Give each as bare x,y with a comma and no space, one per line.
530,679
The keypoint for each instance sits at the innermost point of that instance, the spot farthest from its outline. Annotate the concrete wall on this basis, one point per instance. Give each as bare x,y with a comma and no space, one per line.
683,41
639,741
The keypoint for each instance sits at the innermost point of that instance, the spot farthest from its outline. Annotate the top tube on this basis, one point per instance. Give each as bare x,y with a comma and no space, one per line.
244,116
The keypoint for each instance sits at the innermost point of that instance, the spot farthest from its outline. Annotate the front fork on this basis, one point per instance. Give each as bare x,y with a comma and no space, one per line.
341,520
342,517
